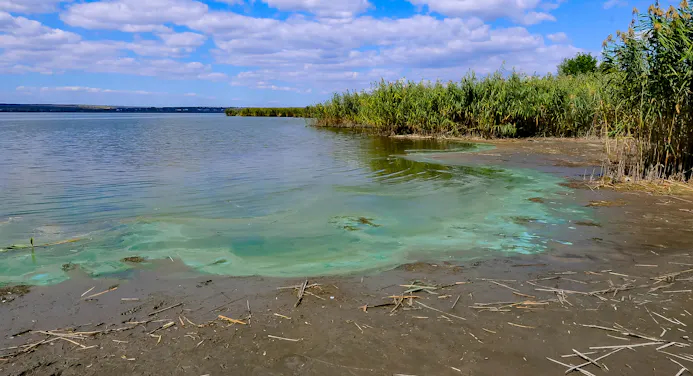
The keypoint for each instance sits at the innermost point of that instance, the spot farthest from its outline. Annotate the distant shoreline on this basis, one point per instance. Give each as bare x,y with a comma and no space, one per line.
104,109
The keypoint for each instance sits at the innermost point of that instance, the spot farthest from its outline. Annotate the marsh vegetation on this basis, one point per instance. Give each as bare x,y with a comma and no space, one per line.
638,99
267,111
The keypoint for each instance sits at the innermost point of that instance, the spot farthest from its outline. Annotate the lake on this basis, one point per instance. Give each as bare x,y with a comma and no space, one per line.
249,196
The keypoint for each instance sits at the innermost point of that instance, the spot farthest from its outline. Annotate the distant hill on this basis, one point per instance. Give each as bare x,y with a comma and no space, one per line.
6,107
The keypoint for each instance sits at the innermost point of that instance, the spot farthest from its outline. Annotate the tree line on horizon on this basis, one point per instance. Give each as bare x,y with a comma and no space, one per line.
268,111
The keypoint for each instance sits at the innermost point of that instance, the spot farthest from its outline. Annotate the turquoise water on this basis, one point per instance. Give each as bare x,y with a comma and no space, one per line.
247,196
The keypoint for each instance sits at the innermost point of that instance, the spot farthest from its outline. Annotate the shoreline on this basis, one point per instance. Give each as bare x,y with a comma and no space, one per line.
596,160
507,314
553,156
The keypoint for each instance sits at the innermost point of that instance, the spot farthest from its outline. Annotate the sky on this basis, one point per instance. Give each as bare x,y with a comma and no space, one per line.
279,52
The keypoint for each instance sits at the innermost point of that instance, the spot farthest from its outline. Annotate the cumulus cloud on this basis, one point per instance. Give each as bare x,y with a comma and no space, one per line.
84,89
168,45
321,8
559,37
29,46
101,96
19,32
325,8
133,15
522,11
531,18
551,5
30,6
330,55
185,39
333,47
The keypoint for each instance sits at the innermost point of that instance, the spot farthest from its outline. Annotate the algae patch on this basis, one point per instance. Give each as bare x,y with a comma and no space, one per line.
523,220
69,266
19,290
367,221
588,224
606,204
354,223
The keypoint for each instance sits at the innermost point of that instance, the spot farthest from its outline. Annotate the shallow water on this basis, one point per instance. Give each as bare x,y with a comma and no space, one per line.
246,196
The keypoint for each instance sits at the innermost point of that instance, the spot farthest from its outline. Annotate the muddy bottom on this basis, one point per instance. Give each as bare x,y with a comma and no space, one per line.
618,292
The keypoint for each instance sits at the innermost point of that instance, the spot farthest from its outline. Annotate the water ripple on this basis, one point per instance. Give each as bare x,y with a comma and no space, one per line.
244,196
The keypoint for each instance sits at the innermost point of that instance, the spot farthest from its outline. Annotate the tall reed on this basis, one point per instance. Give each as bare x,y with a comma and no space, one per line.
497,105
651,76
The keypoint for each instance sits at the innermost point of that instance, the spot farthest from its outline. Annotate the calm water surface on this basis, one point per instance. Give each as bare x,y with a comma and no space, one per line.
245,196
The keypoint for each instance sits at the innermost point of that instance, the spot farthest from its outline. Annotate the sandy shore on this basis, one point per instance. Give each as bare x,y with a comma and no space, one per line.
628,272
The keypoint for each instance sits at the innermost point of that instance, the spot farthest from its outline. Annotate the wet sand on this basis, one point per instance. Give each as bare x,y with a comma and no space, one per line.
604,278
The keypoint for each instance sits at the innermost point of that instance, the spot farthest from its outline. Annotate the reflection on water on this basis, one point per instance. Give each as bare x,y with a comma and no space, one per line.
244,196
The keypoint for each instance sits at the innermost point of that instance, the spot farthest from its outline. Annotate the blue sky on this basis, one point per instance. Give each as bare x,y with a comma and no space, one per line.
278,52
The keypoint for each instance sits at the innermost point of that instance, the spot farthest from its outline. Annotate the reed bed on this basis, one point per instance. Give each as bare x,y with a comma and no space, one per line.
497,105
267,111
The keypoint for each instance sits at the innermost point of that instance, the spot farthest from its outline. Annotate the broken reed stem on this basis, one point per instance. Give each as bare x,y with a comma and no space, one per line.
506,286
86,292
298,286
301,291
455,303
100,293
626,346
165,309
437,310
283,339
521,326
587,358
573,368
165,326
233,321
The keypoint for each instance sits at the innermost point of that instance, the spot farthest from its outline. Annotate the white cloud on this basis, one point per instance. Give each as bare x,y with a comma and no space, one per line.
29,46
559,37
185,39
133,15
170,44
532,18
96,95
614,3
337,49
94,90
300,53
30,6
322,8
21,32
325,8
552,5
301,37
521,11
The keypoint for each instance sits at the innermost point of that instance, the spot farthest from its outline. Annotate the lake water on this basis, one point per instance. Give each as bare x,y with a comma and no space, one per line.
248,196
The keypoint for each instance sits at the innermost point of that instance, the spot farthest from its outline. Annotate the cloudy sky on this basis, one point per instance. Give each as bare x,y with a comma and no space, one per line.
278,52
